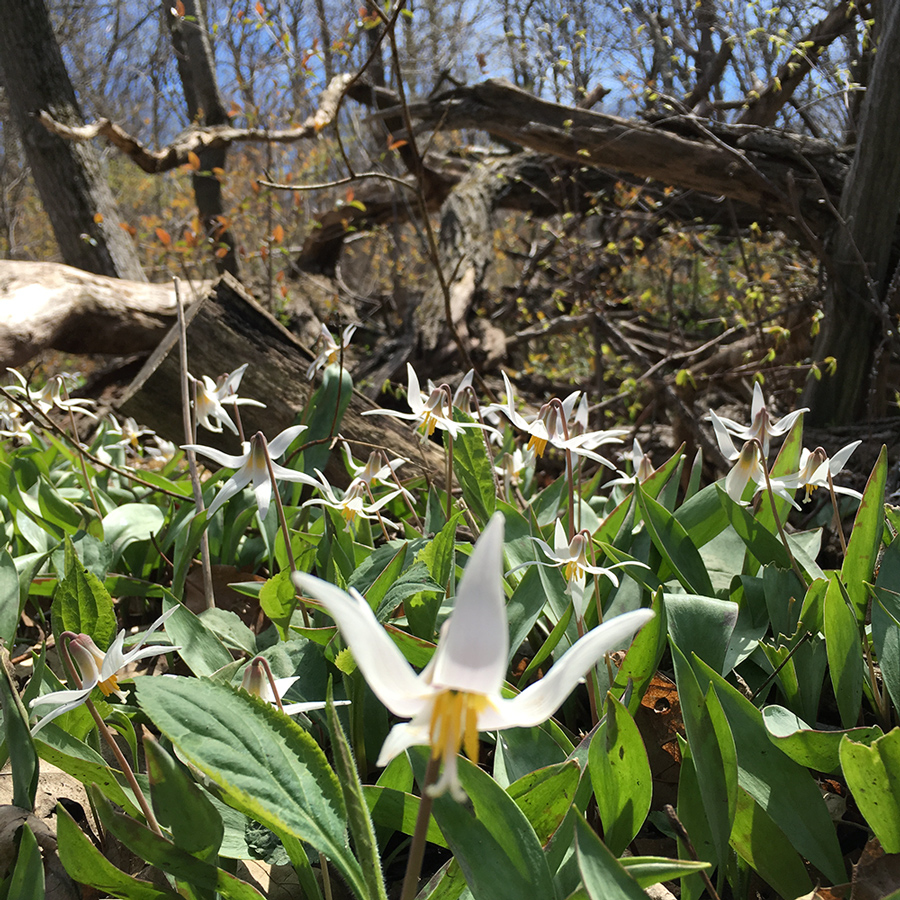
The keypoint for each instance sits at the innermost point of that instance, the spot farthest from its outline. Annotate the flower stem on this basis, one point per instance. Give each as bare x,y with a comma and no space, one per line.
837,516
777,518
190,438
417,847
259,436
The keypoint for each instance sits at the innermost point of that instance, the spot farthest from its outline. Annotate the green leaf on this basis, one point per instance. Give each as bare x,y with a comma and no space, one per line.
323,416
786,791
713,752
817,750
265,765
865,539
675,546
546,795
886,637
131,522
359,821
620,775
200,648
278,599
495,845
398,810
701,625
82,604
650,870
10,607
845,656
472,468
758,536
873,776
439,555
162,853
19,744
87,865
759,841
604,876
643,656
27,880
181,806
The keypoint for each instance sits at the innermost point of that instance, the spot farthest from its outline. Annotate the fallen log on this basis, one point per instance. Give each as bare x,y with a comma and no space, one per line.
49,306
227,328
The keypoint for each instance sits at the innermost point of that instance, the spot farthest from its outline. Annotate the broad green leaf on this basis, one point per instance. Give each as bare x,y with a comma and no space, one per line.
87,865
604,876
496,847
439,556
56,509
9,598
200,648
82,604
650,870
817,750
378,587
278,600
546,795
162,853
675,545
621,777
886,638
528,601
713,752
759,841
786,791
398,811
181,806
643,657
702,516
19,744
757,535
519,752
27,880
323,416
131,522
265,765
873,776
845,656
865,539
701,625
694,819
472,468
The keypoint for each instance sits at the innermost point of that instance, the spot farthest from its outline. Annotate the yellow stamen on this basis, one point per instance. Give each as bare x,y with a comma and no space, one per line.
573,570
110,686
454,724
428,424
539,445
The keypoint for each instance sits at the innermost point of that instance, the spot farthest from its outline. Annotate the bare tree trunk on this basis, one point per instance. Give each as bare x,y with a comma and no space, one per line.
68,176
857,322
196,68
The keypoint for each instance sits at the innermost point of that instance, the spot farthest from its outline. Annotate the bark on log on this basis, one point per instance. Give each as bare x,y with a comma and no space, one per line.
48,306
228,328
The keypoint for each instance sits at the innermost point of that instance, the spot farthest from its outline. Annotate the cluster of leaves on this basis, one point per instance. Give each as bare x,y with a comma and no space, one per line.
784,672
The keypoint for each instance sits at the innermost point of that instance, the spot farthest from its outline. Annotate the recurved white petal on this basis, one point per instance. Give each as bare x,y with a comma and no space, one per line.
387,672
402,737
537,703
279,444
472,655
217,456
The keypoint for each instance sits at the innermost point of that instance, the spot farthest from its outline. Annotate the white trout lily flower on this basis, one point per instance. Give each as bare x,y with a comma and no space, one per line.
431,411
571,557
375,472
331,349
211,397
748,466
252,468
357,501
49,396
762,427
98,669
550,426
458,693
816,466
256,681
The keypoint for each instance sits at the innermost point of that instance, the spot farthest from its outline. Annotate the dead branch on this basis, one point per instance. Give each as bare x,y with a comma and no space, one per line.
197,139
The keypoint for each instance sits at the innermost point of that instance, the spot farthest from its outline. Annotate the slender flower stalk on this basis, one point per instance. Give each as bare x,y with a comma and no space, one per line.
259,682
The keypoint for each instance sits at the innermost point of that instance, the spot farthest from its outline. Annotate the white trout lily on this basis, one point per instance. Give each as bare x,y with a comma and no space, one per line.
98,669
431,411
331,349
211,397
571,557
817,466
356,502
748,466
256,681
458,693
762,427
375,472
50,396
550,426
252,468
